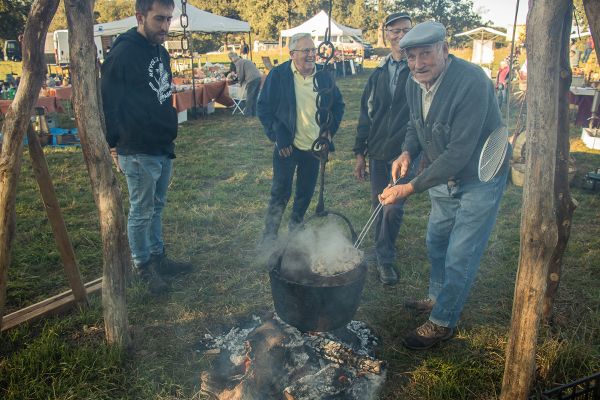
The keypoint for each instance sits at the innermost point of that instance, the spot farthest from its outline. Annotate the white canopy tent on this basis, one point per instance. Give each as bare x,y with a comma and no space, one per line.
483,43
317,25
485,32
198,20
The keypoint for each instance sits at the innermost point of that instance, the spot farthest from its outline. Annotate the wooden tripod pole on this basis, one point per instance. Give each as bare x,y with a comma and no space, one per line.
61,236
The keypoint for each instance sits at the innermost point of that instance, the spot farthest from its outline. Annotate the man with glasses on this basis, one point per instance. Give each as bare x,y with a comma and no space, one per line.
380,134
287,108
453,111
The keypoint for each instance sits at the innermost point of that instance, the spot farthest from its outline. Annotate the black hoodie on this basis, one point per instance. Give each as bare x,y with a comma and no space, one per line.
137,98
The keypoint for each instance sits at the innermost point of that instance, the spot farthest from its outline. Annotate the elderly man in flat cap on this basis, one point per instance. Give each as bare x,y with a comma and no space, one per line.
453,111
380,135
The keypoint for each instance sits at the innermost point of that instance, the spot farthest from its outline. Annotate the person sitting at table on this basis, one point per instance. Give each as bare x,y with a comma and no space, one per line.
44,90
249,78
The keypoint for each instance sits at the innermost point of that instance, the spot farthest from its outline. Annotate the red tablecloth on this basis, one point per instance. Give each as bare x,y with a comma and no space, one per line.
61,92
584,109
204,94
215,91
183,100
50,104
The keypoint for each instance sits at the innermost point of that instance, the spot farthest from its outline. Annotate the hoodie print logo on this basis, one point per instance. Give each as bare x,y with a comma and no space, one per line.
159,79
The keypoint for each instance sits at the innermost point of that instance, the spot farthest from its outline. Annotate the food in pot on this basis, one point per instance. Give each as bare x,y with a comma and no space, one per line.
344,260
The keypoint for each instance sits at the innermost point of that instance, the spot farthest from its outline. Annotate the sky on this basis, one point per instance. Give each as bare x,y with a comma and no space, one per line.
501,12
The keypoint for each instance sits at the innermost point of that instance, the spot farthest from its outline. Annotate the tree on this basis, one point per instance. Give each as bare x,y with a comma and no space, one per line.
229,9
456,15
104,11
113,10
13,14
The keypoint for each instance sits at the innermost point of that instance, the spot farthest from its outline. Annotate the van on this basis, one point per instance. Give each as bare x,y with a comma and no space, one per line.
174,48
12,51
348,43
230,48
60,40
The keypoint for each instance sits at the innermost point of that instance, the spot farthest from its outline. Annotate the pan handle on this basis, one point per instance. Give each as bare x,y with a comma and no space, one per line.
325,213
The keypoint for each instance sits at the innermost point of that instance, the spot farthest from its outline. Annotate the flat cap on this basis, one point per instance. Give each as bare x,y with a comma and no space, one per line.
423,34
395,17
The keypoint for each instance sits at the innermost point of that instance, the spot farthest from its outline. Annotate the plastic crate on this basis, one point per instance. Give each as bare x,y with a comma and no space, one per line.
64,137
583,389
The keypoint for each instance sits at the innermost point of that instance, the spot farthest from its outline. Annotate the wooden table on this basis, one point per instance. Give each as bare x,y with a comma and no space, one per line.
50,104
205,93
61,92
583,98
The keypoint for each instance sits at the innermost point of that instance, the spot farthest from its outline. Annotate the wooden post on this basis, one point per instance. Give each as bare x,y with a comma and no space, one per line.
61,236
15,125
547,205
107,194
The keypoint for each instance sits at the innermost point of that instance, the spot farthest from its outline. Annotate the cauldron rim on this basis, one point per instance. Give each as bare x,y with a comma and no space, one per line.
338,280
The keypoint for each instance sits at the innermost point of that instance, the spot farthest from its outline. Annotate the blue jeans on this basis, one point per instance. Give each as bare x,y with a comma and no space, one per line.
389,220
306,167
147,180
459,227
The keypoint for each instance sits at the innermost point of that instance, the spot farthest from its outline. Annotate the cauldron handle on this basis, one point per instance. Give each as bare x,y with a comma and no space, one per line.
325,213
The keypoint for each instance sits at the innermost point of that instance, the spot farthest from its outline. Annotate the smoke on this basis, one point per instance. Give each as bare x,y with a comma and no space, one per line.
324,250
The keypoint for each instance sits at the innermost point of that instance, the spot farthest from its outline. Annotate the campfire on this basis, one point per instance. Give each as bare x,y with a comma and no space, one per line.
270,359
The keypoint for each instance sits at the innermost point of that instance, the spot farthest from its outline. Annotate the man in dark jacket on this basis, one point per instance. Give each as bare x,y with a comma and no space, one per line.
141,125
380,134
453,112
287,108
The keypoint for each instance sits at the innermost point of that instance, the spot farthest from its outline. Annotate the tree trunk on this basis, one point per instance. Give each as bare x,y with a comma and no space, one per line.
57,222
15,126
547,205
381,26
592,12
107,194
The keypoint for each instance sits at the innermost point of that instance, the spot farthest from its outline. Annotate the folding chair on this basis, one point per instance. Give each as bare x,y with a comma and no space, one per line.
239,99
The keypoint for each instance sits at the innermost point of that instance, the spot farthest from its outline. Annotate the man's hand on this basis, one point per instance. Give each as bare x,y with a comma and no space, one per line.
401,166
392,194
115,158
360,167
286,151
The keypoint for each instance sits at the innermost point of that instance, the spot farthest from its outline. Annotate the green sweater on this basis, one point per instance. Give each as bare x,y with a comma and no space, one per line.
463,113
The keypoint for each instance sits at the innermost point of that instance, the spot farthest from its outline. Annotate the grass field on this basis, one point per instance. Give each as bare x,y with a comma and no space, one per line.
213,218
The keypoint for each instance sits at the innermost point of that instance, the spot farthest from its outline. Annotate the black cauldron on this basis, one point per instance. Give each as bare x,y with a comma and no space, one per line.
318,303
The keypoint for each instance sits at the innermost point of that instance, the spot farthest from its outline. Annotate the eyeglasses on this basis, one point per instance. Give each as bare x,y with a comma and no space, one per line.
398,31
307,51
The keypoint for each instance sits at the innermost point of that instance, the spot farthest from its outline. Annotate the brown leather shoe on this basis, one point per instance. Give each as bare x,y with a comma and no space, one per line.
427,335
420,306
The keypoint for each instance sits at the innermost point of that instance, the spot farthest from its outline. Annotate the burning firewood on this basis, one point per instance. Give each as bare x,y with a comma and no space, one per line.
340,354
324,383
273,360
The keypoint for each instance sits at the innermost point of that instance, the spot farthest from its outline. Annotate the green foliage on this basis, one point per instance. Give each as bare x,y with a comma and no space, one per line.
456,15
104,11
268,17
13,14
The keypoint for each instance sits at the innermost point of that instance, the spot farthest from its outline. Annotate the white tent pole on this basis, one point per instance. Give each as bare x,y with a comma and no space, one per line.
510,65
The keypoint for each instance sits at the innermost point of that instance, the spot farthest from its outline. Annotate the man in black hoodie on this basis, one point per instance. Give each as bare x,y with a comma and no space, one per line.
141,125
380,134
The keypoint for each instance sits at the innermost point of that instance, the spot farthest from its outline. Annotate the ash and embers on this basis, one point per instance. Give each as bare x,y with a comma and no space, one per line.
269,359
